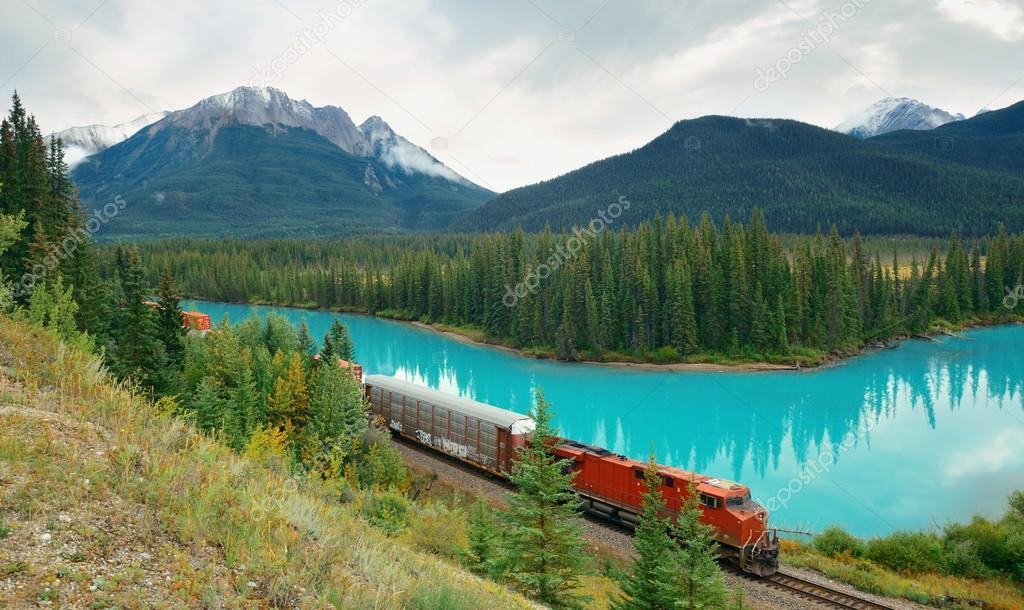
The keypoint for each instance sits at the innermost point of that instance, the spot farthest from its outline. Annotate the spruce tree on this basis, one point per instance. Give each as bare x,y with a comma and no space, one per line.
483,538
135,353
654,581
702,583
336,414
207,405
306,345
169,328
342,341
542,552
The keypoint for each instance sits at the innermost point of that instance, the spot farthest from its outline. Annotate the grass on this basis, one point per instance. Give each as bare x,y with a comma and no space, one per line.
932,589
274,540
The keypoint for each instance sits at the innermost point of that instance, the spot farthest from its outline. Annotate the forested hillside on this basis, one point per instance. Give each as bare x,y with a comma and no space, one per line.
802,176
664,292
248,181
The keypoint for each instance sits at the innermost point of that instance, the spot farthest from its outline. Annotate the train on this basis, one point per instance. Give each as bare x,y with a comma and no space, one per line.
610,486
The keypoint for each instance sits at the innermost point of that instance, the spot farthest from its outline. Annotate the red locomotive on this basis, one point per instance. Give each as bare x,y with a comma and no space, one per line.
610,485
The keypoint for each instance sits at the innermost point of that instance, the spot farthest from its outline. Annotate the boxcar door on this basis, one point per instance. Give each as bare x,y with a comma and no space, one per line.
504,449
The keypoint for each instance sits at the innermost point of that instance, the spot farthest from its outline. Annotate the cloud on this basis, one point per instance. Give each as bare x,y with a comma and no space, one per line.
994,455
1002,19
516,103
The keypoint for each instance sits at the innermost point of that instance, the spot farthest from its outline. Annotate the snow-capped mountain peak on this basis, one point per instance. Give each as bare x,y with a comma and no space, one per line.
894,114
397,152
273,108
80,142
261,106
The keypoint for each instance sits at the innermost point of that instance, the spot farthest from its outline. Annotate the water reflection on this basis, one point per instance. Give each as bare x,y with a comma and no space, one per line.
934,430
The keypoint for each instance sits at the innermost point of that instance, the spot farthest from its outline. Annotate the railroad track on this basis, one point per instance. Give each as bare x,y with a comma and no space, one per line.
781,581
822,594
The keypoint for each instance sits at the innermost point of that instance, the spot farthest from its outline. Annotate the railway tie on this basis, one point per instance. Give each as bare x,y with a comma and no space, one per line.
821,593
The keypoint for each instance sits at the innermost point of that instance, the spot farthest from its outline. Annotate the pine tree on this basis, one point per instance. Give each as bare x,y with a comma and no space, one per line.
781,334
703,585
683,320
342,341
244,410
207,404
760,326
135,353
336,416
483,538
654,582
169,328
306,345
542,551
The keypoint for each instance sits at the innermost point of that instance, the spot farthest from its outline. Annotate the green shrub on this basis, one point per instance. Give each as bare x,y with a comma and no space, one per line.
986,540
961,559
4,530
907,552
379,464
835,541
387,510
438,529
665,355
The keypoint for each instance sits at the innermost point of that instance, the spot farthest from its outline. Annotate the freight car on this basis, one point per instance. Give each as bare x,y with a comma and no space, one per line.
472,431
610,485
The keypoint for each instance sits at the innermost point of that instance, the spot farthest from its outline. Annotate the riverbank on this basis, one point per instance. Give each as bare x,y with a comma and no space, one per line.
468,336
797,360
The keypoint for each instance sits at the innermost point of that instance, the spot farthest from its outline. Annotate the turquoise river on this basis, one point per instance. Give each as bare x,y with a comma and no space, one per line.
904,438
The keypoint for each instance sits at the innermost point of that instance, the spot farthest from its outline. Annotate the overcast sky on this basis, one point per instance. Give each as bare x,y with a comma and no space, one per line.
514,91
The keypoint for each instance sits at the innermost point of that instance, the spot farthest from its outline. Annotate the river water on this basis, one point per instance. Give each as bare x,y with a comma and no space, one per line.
906,438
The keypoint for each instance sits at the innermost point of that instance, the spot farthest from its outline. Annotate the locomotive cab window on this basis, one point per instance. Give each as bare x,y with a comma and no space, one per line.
668,481
738,501
639,474
710,501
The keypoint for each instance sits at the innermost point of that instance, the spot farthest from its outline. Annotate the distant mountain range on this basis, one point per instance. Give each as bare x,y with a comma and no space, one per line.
254,162
893,114
964,175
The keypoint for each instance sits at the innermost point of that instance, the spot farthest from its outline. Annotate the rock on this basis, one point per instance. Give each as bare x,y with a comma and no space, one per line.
45,538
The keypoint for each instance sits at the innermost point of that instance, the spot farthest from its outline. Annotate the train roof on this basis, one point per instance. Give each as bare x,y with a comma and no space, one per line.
704,482
465,406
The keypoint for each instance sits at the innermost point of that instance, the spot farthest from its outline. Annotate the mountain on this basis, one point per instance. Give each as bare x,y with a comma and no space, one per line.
802,176
255,163
992,139
894,114
80,142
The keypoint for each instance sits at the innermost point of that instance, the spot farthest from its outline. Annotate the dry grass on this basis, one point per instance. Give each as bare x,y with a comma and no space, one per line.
105,473
931,589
